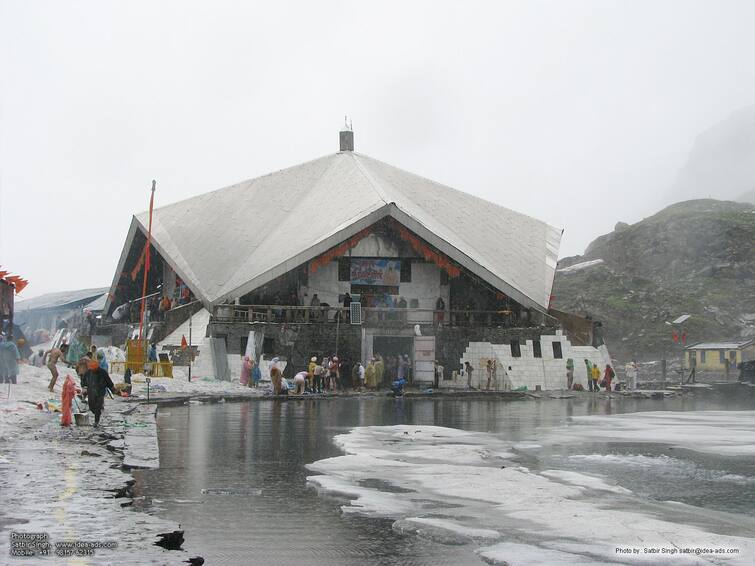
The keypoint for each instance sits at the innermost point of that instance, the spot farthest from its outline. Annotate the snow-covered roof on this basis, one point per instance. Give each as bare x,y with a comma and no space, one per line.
721,345
98,304
230,241
60,299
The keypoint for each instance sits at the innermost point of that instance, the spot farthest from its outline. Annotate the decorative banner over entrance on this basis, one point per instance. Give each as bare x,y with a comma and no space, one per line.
385,272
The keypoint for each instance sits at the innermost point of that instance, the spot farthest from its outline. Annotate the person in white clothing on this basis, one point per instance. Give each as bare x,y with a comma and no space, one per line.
631,370
300,383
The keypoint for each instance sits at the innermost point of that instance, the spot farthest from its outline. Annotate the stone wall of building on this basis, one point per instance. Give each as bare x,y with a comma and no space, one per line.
296,342
546,371
452,342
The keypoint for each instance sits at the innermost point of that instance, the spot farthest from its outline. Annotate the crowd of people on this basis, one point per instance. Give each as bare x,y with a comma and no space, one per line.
331,373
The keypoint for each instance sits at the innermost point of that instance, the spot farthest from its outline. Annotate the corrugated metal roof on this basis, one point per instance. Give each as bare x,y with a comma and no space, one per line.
720,345
59,300
230,241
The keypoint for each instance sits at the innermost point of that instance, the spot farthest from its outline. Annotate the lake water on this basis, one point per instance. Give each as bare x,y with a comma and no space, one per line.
233,474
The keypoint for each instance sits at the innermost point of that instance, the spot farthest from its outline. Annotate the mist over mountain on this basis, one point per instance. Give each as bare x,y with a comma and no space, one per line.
721,164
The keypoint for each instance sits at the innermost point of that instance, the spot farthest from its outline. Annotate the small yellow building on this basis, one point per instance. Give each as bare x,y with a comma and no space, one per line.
716,356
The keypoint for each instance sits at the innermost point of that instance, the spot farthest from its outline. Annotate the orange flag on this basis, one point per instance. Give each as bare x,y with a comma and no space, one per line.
184,343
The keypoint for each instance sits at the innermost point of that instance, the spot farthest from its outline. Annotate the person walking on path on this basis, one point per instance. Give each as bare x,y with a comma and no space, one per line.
95,383
595,374
569,374
53,356
9,358
468,369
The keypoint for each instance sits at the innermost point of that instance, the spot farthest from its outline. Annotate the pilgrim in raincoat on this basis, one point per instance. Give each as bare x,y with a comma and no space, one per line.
69,392
246,370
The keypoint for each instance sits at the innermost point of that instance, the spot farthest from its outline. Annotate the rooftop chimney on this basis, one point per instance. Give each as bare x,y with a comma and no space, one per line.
346,137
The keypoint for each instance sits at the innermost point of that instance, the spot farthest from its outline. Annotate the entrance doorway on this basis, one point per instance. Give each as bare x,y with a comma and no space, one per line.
391,347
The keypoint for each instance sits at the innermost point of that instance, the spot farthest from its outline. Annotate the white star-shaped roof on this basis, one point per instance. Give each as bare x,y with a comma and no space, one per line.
228,242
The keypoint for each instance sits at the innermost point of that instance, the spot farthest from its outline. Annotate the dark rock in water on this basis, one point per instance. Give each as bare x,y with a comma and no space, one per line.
125,491
196,561
88,453
171,541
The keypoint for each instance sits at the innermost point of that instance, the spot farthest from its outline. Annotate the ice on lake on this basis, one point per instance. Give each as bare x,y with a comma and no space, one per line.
460,487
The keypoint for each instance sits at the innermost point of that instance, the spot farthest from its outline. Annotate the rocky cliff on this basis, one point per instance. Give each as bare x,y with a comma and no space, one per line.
695,257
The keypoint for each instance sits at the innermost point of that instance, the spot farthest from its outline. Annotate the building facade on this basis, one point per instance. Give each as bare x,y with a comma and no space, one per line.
346,255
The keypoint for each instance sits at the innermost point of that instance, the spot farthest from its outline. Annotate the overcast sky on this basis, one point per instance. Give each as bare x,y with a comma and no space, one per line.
577,113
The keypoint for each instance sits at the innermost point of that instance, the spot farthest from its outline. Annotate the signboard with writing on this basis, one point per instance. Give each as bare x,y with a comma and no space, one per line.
385,272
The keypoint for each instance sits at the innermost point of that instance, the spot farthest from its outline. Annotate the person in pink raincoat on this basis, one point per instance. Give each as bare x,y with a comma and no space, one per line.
69,391
246,371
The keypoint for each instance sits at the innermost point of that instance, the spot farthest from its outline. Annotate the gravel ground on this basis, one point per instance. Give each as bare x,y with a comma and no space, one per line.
70,483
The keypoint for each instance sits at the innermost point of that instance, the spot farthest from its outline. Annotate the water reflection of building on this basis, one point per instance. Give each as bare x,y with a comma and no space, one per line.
433,268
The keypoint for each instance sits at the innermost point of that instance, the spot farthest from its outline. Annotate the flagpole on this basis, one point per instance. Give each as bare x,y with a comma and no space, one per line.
146,260
191,355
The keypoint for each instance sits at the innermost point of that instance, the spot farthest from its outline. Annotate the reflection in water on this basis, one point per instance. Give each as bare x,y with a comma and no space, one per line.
260,449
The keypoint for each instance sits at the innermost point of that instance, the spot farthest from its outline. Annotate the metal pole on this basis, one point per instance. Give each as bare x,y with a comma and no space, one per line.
146,261
338,328
191,353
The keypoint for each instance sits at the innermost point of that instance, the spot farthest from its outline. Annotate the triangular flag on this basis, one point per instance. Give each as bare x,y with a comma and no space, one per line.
184,343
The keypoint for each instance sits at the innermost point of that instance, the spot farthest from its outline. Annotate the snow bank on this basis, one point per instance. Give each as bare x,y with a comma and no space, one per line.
580,266
467,486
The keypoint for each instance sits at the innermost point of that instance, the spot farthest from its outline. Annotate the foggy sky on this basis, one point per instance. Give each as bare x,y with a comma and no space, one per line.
577,113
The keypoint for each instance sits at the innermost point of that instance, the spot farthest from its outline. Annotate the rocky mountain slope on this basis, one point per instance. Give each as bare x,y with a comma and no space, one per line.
695,257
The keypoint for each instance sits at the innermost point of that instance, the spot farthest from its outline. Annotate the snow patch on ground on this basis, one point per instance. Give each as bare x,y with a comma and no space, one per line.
580,266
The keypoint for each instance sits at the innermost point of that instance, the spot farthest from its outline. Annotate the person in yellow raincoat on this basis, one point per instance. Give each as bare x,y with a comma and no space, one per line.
595,374
379,370
369,375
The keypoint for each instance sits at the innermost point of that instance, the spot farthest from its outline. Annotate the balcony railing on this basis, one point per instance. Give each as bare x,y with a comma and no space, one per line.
371,316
